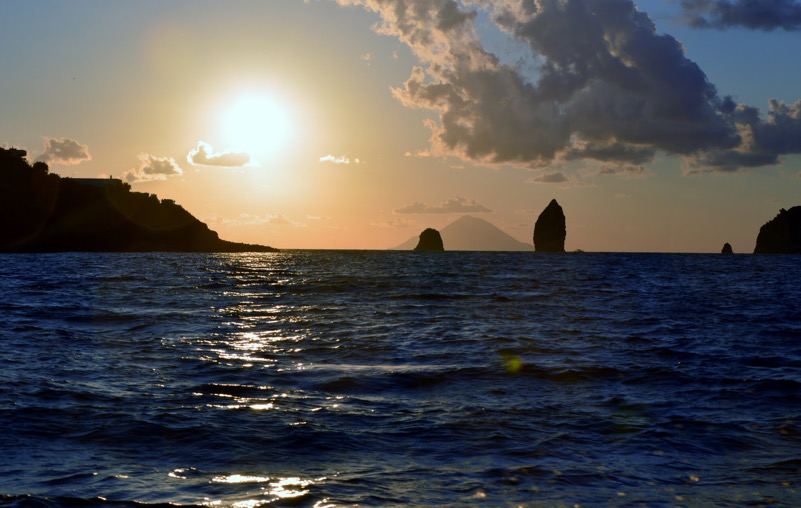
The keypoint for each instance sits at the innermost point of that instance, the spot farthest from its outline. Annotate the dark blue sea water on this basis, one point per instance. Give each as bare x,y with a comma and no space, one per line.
333,378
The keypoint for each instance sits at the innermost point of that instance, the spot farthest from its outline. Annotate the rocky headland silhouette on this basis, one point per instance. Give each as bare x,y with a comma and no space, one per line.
550,230
782,235
430,241
726,249
43,212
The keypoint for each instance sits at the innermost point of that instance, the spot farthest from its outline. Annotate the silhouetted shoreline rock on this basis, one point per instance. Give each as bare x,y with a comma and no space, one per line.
726,249
549,230
782,235
430,241
42,212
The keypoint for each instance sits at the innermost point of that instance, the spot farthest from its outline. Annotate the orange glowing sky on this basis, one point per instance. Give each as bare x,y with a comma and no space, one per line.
325,124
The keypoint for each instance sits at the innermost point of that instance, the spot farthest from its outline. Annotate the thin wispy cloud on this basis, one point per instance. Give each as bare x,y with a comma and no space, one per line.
608,88
339,160
63,151
550,178
153,168
247,219
280,220
764,15
621,170
453,205
394,224
204,155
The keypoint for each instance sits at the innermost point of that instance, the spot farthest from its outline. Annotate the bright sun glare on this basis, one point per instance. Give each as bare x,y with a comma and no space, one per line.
257,124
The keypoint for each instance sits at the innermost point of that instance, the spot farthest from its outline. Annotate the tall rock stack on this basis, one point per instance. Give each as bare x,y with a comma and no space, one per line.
550,230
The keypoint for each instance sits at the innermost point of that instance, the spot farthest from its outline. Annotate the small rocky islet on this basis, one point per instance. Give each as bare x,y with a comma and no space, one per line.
430,241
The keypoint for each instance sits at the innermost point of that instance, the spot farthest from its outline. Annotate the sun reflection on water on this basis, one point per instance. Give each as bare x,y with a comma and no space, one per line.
262,407
252,347
250,503
278,488
289,487
238,478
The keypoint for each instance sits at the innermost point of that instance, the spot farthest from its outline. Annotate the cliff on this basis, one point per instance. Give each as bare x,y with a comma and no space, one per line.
430,241
550,230
782,235
42,212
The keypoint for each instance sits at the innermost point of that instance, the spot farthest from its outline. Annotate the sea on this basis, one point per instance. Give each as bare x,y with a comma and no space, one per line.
386,378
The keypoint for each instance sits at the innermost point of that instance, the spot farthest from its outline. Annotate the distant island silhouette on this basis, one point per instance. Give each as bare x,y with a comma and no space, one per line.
473,234
43,212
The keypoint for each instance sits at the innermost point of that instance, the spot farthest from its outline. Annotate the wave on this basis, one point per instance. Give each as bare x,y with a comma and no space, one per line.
30,501
400,380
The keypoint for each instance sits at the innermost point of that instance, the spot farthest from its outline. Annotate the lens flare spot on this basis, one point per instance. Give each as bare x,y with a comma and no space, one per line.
513,364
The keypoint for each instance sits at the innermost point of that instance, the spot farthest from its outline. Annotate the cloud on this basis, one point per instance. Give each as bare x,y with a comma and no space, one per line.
621,169
753,14
550,178
763,142
453,205
152,168
246,219
394,224
204,155
418,153
63,151
608,87
280,220
338,160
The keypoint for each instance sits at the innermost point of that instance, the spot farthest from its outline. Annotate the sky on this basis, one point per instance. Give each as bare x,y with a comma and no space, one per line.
659,126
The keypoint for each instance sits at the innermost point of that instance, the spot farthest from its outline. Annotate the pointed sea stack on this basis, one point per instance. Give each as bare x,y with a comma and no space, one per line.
430,241
726,249
782,235
549,230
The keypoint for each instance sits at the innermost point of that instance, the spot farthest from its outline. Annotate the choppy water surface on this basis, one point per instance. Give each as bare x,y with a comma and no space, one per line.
315,378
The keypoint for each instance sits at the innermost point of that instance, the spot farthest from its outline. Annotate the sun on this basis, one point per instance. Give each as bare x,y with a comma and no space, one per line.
257,123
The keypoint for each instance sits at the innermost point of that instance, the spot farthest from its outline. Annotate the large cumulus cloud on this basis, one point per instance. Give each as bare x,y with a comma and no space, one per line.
608,87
